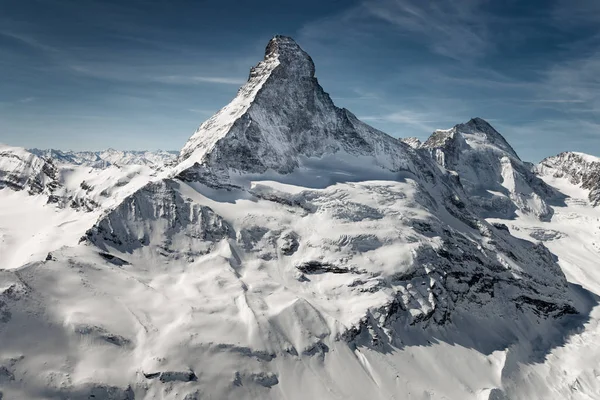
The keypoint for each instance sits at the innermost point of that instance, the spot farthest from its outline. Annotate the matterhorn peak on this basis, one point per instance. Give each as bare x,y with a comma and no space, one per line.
282,116
293,61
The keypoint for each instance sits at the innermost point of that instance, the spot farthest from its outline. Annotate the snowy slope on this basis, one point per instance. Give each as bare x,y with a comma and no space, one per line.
573,235
491,172
295,252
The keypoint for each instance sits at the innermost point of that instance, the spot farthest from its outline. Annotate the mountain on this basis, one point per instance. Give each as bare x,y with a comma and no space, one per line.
580,169
48,203
498,182
103,159
282,115
21,170
295,252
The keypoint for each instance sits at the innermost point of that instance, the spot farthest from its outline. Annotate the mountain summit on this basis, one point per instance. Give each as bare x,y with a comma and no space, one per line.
281,115
498,182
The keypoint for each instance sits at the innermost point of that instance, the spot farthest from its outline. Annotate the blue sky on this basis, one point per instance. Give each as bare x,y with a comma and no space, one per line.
143,74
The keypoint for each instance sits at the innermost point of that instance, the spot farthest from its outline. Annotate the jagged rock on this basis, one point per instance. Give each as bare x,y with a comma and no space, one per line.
413,142
106,158
129,226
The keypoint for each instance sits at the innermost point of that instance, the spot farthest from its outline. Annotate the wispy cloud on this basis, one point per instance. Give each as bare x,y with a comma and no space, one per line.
148,73
572,13
179,79
423,122
456,29
577,79
30,41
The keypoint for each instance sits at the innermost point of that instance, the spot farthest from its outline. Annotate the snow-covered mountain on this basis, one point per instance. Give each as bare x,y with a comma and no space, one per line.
491,172
282,115
295,252
48,203
106,158
22,170
580,169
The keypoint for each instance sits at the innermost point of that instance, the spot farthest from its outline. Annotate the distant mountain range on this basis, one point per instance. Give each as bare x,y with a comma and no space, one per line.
102,159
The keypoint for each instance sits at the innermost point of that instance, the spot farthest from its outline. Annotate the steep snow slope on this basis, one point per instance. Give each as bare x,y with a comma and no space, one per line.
498,182
106,158
183,291
294,253
580,169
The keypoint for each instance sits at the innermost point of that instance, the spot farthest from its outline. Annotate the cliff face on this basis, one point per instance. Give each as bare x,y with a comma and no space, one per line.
22,170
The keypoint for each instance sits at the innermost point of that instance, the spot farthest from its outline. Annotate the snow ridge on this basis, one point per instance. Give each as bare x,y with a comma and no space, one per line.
22,170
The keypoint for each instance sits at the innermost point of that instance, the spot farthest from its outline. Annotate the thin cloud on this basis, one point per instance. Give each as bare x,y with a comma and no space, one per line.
29,41
180,79
418,120
456,29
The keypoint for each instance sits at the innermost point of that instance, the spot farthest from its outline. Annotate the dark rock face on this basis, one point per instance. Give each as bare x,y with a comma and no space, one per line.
130,225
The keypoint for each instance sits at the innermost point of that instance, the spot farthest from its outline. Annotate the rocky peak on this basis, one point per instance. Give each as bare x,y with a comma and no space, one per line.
490,170
293,61
22,170
281,116
479,126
